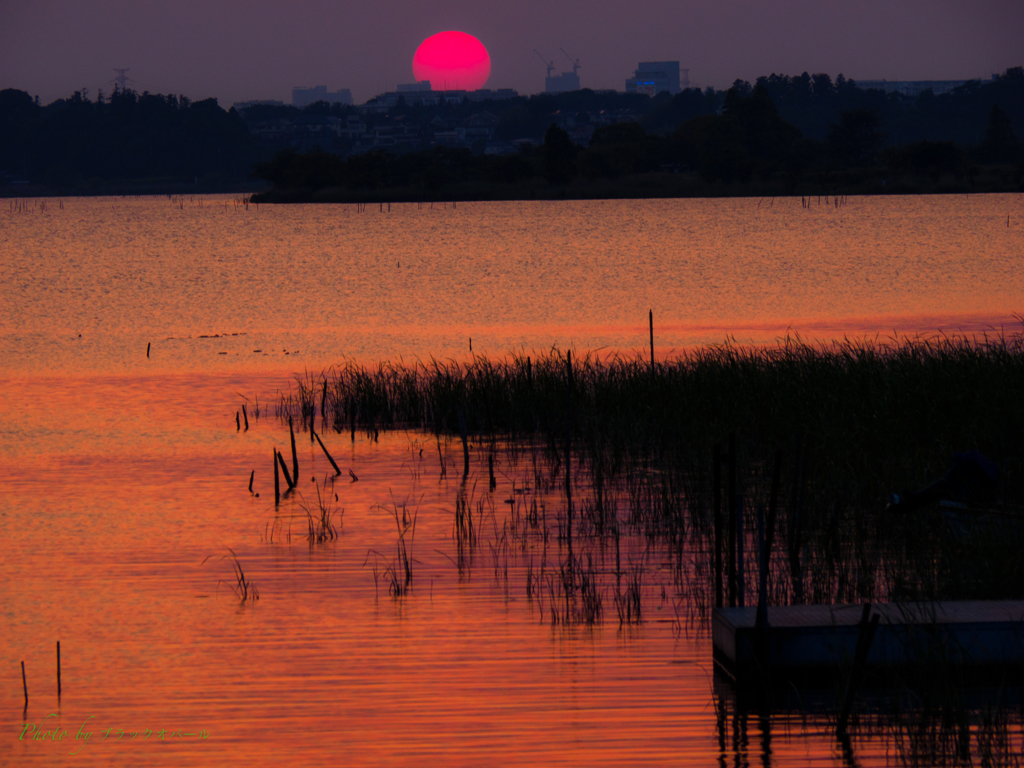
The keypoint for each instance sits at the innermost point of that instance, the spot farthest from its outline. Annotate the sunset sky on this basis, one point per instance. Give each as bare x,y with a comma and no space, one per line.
259,49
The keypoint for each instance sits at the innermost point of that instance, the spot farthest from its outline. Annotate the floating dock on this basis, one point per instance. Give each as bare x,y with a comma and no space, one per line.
808,637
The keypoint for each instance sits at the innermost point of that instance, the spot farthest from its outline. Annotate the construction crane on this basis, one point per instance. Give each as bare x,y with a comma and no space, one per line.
549,64
575,62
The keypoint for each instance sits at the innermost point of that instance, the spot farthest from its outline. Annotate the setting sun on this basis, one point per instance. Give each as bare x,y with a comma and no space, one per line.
452,61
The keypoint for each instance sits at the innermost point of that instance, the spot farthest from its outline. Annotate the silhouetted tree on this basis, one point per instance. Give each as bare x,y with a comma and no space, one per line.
931,158
748,137
684,106
1001,144
623,148
617,133
856,140
76,141
822,86
559,156
510,169
740,89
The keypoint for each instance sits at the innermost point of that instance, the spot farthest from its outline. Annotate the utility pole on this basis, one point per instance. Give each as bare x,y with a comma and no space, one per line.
122,79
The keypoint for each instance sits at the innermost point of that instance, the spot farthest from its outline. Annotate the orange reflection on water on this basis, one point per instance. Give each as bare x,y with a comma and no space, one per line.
121,554
126,481
212,286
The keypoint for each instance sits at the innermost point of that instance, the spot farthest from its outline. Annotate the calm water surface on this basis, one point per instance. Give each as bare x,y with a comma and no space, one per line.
125,481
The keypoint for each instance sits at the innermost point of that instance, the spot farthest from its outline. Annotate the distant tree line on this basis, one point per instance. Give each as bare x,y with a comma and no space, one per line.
780,129
786,131
73,142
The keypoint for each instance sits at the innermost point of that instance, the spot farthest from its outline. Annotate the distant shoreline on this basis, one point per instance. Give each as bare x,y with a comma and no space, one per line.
135,189
648,186
653,186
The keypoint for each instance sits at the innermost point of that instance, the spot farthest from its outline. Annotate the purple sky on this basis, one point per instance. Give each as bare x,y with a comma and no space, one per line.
258,49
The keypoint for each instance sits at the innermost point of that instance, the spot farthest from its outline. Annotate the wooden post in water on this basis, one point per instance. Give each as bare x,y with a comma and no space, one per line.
865,636
465,442
277,482
793,528
568,459
24,683
58,670
741,585
730,517
284,468
327,454
295,457
650,322
762,570
765,536
773,503
246,417
716,506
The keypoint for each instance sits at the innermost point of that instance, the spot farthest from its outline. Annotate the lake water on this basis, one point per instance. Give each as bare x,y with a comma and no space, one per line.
125,480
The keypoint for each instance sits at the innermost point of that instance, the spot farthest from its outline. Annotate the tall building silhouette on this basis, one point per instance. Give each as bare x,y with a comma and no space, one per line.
303,97
653,77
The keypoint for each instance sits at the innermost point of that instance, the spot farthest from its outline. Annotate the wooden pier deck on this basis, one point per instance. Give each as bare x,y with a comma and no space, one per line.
989,633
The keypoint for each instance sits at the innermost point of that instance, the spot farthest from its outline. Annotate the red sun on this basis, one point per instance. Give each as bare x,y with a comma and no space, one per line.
452,61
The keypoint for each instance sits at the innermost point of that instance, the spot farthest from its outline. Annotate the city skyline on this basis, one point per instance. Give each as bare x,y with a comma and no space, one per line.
261,50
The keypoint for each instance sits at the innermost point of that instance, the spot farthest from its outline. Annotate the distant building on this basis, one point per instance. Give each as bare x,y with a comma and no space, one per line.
494,94
567,81
385,102
354,128
310,131
422,85
240,105
480,126
499,148
303,97
911,87
653,77
456,137
274,131
524,144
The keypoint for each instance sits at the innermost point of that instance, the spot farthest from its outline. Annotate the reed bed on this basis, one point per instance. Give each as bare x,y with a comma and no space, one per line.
632,441
243,587
928,724
320,521
399,571
940,714
619,470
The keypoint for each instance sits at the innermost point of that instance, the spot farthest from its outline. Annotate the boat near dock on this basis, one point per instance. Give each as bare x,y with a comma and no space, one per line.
809,638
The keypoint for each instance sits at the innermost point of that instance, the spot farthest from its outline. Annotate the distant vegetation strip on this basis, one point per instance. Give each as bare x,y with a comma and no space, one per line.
783,135
697,145
78,146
